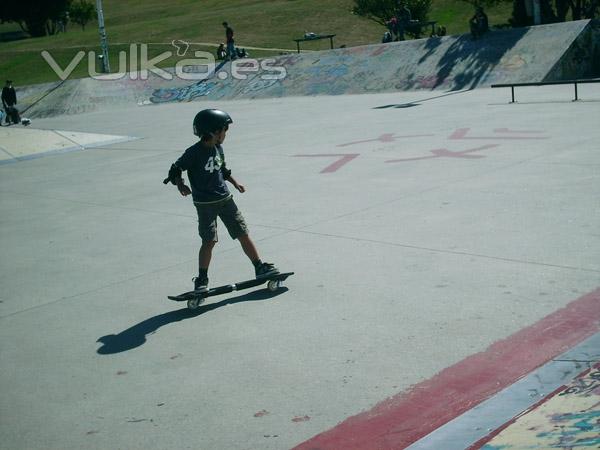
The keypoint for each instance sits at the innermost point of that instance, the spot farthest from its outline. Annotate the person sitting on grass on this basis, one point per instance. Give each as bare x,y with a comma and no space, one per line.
479,23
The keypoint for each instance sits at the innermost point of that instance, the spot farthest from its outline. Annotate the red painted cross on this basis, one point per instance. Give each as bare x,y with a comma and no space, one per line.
461,134
445,153
344,158
387,137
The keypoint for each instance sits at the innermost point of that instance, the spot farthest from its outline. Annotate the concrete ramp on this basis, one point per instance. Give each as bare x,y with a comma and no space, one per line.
532,54
90,94
548,52
582,58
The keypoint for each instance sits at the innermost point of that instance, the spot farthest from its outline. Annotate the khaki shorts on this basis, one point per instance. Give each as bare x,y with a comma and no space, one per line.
229,213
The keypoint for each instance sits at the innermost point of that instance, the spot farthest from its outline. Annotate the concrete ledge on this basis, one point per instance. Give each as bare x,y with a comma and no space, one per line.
19,144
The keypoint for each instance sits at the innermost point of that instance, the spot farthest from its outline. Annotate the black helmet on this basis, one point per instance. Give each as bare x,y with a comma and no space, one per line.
210,120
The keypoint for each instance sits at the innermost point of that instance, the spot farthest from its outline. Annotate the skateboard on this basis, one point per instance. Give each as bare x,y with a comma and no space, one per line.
195,299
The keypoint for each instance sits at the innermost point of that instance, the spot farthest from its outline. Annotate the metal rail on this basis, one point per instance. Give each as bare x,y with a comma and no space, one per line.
547,83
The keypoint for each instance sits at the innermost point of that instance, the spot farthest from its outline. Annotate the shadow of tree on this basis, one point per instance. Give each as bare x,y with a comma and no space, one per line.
431,45
136,335
476,59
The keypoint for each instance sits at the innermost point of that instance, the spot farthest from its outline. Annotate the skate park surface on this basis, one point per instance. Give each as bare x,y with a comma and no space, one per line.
446,291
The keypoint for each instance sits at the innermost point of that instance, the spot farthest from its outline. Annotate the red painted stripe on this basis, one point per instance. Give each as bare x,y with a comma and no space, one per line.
344,158
411,415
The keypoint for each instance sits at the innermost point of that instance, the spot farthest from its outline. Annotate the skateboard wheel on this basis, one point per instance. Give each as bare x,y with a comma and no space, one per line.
194,303
273,285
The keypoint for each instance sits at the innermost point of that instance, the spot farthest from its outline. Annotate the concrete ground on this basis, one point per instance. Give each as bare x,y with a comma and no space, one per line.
422,228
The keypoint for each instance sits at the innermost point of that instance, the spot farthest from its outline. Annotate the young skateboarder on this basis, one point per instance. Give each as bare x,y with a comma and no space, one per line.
207,173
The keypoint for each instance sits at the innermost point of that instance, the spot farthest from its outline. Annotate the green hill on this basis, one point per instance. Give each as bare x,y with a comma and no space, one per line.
269,26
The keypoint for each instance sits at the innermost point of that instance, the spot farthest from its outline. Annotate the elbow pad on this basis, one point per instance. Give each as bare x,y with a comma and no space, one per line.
174,174
226,172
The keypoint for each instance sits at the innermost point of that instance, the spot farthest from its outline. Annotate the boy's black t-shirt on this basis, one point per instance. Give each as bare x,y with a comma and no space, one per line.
205,168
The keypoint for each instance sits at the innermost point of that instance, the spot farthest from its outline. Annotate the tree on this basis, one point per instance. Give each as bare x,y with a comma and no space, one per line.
81,12
580,9
34,16
381,11
584,9
520,18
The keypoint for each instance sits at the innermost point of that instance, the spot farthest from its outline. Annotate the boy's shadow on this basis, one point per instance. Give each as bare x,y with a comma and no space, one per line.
136,335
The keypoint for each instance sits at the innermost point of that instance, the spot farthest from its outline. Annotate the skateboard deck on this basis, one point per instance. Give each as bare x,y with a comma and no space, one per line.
195,299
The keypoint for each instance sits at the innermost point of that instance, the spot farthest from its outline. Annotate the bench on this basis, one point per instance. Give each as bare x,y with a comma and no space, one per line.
415,27
315,38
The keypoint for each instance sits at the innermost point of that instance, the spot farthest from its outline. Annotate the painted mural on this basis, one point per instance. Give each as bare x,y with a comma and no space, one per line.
569,420
449,63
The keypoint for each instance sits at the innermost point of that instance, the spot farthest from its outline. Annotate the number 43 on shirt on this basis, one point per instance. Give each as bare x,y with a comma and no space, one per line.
213,163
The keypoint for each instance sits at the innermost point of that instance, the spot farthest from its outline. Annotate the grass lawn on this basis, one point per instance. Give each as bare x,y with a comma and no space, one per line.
266,24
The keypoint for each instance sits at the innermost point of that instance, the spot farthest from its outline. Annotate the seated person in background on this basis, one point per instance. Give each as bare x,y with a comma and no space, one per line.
241,53
221,51
479,23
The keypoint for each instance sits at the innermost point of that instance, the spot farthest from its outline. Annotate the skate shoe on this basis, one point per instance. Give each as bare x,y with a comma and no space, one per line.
200,285
266,270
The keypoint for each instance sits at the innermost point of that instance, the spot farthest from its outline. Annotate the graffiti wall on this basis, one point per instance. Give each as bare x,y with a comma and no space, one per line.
449,63
568,420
